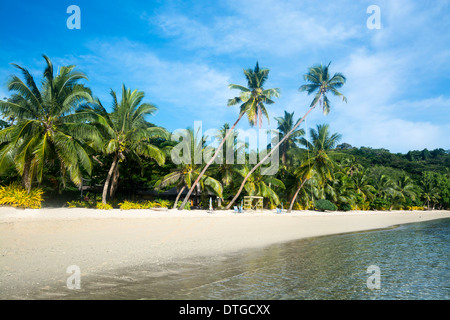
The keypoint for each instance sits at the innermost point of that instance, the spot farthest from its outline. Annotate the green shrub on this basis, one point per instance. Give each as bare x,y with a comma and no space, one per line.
164,203
380,204
15,195
80,204
346,207
323,205
187,206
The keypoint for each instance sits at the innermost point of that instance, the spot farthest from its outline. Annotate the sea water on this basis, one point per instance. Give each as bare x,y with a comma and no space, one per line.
412,262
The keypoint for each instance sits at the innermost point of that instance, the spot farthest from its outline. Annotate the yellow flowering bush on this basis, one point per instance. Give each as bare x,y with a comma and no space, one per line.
298,206
103,206
128,205
15,195
412,208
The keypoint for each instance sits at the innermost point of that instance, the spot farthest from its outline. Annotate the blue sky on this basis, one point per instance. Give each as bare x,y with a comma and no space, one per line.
183,54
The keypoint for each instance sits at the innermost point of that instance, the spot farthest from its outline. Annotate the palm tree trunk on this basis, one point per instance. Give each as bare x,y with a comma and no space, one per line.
283,156
178,197
114,182
108,179
295,195
26,181
210,162
270,153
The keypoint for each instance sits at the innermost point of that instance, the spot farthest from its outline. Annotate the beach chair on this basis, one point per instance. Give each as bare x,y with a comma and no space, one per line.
236,209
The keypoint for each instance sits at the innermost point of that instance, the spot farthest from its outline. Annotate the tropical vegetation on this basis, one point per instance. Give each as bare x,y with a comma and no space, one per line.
59,146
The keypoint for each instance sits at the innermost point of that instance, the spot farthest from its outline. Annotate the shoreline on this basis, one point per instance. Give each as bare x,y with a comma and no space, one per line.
38,245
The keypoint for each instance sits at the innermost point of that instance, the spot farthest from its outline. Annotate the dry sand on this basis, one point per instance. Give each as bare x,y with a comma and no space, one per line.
37,246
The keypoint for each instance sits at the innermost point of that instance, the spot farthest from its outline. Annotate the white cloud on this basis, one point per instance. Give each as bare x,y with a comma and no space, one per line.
275,27
376,116
183,90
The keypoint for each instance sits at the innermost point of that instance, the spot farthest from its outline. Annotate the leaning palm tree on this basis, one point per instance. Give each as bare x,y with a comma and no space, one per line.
320,83
226,171
252,102
125,132
262,185
46,131
285,125
322,142
185,173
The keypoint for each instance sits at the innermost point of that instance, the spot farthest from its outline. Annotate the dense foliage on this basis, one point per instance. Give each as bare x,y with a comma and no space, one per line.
60,144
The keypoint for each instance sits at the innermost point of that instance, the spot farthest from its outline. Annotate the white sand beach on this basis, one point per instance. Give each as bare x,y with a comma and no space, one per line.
37,246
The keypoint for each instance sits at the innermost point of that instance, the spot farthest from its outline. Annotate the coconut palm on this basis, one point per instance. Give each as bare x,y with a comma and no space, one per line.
322,142
342,189
383,187
46,131
350,166
362,186
285,125
125,132
225,170
430,191
262,185
185,173
320,83
405,188
252,100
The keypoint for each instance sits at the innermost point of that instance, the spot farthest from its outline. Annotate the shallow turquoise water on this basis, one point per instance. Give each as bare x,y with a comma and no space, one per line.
413,261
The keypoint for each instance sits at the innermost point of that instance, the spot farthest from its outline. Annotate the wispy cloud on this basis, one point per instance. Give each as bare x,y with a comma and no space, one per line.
275,27
181,89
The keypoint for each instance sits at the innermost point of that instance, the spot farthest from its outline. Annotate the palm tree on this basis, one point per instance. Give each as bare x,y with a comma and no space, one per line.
185,173
362,186
47,132
383,187
342,189
285,125
430,191
319,82
262,185
405,188
252,100
351,166
126,133
319,146
226,171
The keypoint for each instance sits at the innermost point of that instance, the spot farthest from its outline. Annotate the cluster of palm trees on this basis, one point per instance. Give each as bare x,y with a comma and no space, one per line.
253,98
61,126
